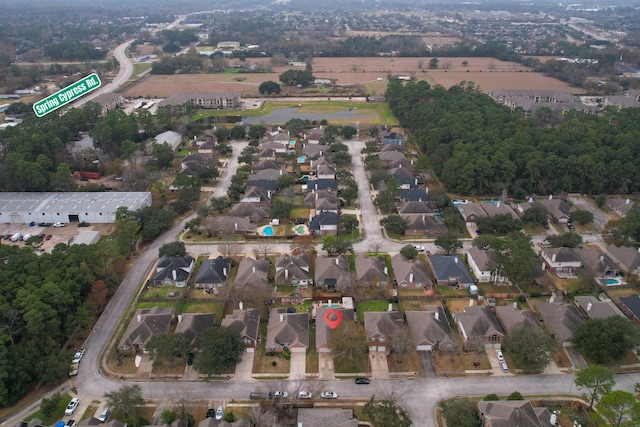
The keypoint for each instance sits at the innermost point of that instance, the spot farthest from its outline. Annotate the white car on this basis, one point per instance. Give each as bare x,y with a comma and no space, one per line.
499,355
329,395
59,224
71,407
219,413
78,356
304,395
104,415
419,248
280,394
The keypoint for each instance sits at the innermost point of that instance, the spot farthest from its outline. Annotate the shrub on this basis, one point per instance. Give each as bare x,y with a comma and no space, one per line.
491,397
515,396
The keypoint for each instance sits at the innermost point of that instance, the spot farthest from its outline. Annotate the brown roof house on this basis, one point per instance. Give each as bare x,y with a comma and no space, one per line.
410,274
191,324
380,328
483,265
562,320
173,271
479,323
311,197
145,323
499,208
371,271
509,413
430,329
246,323
332,273
423,225
626,258
622,206
292,270
561,261
252,211
252,271
323,331
511,315
230,225
559,210
595,308
287,330
471,211
596,263
213,273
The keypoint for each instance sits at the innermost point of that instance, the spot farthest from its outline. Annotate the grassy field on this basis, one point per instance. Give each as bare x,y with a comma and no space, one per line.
372,306
56,415
358,363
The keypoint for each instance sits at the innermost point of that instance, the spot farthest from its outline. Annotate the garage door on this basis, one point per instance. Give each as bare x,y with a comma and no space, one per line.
251,350
298,350
424,348
16,218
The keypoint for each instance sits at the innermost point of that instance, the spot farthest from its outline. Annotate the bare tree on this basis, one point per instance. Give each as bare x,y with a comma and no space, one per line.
303,245
476,344
261,416
264,249
401,342
228,249
391,391
375,246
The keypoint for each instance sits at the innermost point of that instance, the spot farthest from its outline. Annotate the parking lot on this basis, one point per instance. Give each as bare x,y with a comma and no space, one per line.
58,234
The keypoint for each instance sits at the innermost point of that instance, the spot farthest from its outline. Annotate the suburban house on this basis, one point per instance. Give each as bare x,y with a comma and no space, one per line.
324,223
512,315
406,178
498,208
313,152
146,323
255,195
191,164
595,308
322,184
391,156
230,225
316,417
399,164
622,206
287,331
371,271
265,184
450,271
277,148
423,225
417,208
174,139
394,138
596,263
561,261
430,329
410,274
326,172
246,323
282,138
315,137
626,258
631,306
393,147
561,319
380,327
173,271
191,324
266,174
559,210
311,197
323,331
252,211
265,164
415,195
213,273
478,325
292,270
519,413
109,101
482,263
327,204
252,271
266,154
332,273
471,212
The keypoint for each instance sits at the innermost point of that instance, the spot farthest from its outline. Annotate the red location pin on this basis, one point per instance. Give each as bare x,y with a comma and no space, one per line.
333,318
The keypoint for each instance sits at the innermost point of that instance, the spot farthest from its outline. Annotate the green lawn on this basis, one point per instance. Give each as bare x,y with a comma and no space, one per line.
372,306
358,363
57,414
140,67
173,304
216,307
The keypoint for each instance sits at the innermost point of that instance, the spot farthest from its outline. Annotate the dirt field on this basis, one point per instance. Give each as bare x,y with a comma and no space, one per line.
489,73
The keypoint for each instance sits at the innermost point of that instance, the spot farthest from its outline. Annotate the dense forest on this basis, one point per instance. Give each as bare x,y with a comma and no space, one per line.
479,147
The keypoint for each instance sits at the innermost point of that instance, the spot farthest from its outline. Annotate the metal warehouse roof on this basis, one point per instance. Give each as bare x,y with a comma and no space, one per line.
72,202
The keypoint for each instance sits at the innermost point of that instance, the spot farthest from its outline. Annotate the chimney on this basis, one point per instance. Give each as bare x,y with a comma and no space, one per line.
627,201
553,258
235,226
410,277
530,199
224,271
455,259
286,273
437,315
515,305
175,275
551,299
386,271
179,318
241,305
316,195
550,196
282,317
416,181
589,306
280,171
337,261
139,318
426,190
390,308
498,205
329,303
253,268
269,193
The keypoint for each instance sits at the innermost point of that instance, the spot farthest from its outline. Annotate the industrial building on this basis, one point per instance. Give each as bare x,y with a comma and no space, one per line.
24,208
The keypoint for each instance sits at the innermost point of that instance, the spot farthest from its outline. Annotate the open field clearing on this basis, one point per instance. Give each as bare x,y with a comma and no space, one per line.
489,73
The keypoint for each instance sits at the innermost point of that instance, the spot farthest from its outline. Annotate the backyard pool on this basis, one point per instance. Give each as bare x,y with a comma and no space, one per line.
610,281
301,159
267,231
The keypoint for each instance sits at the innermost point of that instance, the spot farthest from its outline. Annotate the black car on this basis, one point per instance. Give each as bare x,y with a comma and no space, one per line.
83,224
190,359
254,395
6,236
44,224
210,413
363,381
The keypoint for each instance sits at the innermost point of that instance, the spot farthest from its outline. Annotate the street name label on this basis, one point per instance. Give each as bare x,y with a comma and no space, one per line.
67,95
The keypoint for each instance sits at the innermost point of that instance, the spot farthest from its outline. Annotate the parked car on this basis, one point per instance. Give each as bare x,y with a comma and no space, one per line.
504,366
329,395
83,224
73,369
59,224
49,236
104,415
6,236
499,355
190,358
71,423
42,236
71,407
78,356
419,248
280,395
210,413
363,381
254,395
44,224
304,395
219,413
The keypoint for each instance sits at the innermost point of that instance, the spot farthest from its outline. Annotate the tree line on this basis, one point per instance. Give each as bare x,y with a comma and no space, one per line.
477,146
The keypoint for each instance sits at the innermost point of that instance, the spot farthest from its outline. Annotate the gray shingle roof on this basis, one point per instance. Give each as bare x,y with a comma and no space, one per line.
425,328
370,269
290,329
385,323
245,322
561,319
213,271
194,323
479,321
446,266
410,271
512,413
323,331
251,271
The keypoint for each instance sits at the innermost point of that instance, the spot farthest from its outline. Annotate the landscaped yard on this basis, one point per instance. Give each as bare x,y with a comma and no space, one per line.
263,364
458,304
409,362
417,304
124,366
216,307
313,359
56,415
617,292
373,306
358,363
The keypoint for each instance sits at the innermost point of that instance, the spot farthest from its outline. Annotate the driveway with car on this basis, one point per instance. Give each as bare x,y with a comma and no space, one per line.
298,366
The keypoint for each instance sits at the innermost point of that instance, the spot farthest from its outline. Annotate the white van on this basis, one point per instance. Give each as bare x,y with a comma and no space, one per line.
504,366
16,237
27,237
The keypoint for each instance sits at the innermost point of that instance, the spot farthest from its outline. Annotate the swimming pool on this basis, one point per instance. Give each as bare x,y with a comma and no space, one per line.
301,159
268,230
610,281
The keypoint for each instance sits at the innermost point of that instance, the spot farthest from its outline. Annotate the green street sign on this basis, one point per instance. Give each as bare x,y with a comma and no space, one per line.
67,95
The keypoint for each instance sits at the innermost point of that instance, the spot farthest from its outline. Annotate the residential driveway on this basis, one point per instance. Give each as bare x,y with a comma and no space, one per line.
298,366
379,367
244,368
190,374
326,366
428,366
495,363
575,357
